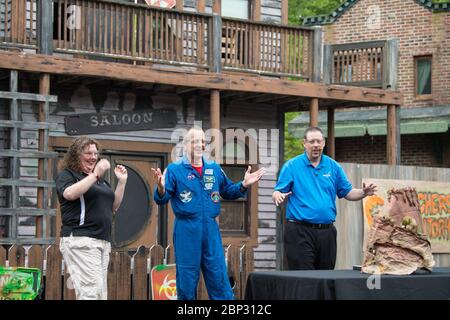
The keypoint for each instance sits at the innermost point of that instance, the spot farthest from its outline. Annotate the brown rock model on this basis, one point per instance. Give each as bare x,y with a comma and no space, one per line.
396,244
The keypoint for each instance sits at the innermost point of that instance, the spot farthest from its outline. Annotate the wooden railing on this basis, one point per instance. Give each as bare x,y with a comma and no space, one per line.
128,274
119,31
266,48
360,64
18,23
132,32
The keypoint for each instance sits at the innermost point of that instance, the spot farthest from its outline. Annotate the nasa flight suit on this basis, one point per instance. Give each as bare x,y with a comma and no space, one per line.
195,201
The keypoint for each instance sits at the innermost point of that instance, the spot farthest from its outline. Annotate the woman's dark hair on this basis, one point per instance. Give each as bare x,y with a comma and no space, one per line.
72,158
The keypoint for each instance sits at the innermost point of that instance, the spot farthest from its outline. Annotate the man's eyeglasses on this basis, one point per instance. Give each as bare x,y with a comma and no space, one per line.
314,141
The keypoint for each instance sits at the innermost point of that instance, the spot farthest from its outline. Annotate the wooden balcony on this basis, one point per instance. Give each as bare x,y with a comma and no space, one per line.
125,32
368,64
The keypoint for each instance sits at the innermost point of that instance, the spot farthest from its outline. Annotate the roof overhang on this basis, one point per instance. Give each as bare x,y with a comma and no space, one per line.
373,122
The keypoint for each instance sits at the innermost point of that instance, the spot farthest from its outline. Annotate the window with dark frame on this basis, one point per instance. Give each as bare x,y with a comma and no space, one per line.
240,9
234,219
234,38
422,70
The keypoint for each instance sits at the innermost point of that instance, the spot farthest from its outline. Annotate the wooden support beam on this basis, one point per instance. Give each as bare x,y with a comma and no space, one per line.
214,107
14,165
284,13
201,28
45,26
203,80
317,54
331,143
314,113
215,54
391,139
256,10
44,89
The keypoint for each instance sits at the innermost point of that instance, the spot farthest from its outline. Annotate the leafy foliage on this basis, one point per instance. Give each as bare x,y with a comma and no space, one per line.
306,8
292,146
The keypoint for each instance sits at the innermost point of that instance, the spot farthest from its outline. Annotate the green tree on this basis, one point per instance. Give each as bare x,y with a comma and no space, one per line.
292,146
304,8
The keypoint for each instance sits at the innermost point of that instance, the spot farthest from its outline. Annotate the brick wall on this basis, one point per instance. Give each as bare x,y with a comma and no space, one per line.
417,150
420,32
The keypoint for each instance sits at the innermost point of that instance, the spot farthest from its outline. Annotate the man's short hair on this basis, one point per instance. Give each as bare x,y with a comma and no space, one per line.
313,129
187,136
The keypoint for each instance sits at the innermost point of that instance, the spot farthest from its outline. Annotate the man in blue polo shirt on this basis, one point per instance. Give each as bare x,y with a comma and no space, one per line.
310,182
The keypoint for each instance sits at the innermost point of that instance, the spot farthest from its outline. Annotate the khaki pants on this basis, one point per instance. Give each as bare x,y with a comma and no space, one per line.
87,262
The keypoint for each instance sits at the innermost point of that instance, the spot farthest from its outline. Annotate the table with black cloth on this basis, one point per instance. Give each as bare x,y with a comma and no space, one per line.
346,285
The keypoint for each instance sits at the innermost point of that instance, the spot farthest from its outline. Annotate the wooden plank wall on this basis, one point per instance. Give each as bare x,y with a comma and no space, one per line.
4,142
349,221
128,274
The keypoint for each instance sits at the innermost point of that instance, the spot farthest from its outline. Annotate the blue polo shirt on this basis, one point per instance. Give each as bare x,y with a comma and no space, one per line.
314,190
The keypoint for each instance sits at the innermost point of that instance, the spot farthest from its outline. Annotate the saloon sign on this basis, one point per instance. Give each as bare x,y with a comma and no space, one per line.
120,121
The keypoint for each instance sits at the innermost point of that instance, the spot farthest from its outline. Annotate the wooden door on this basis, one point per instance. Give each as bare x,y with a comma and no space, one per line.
139,220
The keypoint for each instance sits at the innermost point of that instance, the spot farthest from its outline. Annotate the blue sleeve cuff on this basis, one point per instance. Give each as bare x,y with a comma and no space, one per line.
158,199
241,187
345,192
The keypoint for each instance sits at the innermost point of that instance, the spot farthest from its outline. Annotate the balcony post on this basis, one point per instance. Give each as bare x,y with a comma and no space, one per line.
317,54
331,143
391,137
216,43
390,64
328,63
390,70
45,27
314,112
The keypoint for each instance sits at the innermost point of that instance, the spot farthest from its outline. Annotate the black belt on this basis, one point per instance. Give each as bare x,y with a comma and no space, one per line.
312,225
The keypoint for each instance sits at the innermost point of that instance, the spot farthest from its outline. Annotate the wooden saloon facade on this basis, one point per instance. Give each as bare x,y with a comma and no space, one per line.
130,75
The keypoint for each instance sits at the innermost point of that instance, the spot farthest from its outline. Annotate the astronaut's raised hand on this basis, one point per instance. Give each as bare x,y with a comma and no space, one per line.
251,178
159,178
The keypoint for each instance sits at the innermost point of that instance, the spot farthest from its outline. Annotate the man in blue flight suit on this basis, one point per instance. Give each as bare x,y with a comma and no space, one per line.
194,185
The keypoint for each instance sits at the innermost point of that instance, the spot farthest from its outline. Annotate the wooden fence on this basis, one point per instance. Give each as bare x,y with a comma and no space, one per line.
129,272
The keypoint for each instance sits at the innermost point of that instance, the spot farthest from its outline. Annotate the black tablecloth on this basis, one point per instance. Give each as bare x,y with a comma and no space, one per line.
346,284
